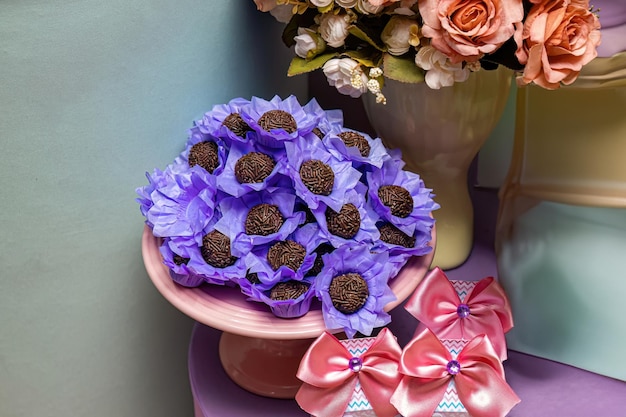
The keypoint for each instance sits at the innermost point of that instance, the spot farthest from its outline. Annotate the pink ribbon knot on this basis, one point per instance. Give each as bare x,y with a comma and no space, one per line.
330,373
485,310
478,375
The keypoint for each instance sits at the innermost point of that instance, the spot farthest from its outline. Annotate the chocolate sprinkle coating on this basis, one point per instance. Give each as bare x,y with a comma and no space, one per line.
179,260
348,292
288,253
397,198
318,177
253,277
236,124
357,140
278,119
264,219
346,223
216,250
394,236
288,290
254,167
205,155
318,264
318,132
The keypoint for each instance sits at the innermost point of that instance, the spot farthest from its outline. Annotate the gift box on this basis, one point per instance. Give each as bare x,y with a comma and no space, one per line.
359,405
451,405
350,378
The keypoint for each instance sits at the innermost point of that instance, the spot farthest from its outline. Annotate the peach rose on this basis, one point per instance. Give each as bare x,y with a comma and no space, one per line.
382,2
466,30
265,5
559,37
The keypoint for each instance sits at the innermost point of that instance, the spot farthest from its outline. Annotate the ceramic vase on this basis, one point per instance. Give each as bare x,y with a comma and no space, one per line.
439,133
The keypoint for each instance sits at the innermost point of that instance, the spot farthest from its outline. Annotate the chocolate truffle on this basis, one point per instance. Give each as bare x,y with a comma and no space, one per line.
318,177
394,236
288,253
236,124
397,198
205,155
357,140
348,292
318,132
288,290
253,278
179,260
263,219
216,250
278,119
253,167
346,223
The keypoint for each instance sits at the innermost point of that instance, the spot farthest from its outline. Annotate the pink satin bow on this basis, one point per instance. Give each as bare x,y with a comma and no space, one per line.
436,305
329,379
428,368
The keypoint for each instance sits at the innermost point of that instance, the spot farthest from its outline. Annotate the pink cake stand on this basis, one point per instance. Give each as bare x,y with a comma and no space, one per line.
258,350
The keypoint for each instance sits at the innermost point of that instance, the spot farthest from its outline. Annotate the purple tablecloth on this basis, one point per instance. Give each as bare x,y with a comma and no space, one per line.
547,389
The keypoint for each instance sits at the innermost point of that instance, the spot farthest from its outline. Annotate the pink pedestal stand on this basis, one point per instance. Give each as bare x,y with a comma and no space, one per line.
258,351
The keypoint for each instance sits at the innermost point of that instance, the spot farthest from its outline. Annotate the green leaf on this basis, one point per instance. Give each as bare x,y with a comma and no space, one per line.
402,69
365,59
302,66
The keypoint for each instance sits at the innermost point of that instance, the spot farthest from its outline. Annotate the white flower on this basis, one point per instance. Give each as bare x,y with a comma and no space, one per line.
334,29
365,7
440,72
346,4
346,75
321,3
282,13
308,43
399,34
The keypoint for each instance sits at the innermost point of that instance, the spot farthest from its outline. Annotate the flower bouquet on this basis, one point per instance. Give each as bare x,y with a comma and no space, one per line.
283,202
359,43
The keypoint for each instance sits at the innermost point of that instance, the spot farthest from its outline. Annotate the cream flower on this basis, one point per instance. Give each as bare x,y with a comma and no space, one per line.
346,4
321,3
308,43
334,29
367,7
440,71
346,75
399,34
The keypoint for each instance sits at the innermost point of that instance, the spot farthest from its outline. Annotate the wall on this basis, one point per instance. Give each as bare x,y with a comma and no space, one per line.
92,95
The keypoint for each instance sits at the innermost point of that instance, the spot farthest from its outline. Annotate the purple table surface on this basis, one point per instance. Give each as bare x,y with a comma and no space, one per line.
546,388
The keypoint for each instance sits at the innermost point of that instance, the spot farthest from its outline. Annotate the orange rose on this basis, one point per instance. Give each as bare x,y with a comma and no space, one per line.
466,30
559,37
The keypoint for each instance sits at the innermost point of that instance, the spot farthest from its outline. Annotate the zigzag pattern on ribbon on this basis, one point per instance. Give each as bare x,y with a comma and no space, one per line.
450,401
463,288
358,402
454,346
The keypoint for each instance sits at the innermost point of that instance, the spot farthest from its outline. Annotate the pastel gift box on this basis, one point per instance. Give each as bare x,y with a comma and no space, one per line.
359,405
462,309
450,405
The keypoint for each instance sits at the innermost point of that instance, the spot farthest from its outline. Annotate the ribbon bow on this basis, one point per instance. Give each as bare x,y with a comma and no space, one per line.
330,374
486,310
428,368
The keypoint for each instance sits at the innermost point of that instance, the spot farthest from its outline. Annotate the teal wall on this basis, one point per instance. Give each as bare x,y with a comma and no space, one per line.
92,95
